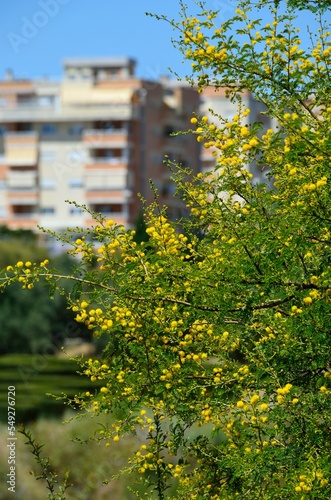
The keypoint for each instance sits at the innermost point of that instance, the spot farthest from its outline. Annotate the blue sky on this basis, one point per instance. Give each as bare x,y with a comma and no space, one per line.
36,35
85,28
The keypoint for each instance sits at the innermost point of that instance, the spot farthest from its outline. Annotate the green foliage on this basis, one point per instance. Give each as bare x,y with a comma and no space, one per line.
31,322
140,229
227,333
24,235
15,249
312,5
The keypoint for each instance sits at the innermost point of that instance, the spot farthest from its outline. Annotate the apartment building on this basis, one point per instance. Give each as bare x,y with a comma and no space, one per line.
96,138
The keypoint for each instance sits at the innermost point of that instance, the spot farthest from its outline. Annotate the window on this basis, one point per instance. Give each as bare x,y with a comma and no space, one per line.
101,75
47,211
24,127
76,129
46,100
76,210
75,156
111,208
48,129
101,125
86,73
76,183
24,210
107,154
48,184
47,155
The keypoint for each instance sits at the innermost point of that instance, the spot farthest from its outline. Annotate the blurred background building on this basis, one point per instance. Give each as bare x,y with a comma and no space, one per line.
95,138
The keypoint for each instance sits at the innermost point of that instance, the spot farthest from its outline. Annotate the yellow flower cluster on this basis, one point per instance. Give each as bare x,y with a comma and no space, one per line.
96,370
26,273
107,320
120,246
282,392
92,317
164,237
310,482
323,389
198,46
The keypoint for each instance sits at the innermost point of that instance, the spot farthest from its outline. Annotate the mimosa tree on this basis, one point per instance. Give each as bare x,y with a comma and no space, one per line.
218,328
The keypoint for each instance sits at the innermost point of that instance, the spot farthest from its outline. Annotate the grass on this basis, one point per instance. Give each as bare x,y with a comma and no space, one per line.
90,464
33,376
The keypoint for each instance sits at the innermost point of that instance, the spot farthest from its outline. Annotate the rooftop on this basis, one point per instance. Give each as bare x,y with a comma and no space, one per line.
99,62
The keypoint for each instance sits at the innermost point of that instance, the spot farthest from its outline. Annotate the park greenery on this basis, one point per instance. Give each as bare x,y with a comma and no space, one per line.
33,323
218,326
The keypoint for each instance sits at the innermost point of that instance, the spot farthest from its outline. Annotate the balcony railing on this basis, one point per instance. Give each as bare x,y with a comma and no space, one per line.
100,132
26,215
20,221
22,190
111,161
24,197
23,180
110,213
21,134
26,161
28,104
33,111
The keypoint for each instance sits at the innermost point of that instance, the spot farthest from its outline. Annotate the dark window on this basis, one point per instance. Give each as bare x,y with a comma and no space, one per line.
76,211
76,129
108,208
48,129
47,211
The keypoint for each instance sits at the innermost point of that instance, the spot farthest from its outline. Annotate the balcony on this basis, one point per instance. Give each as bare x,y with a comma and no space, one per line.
32,111
21,216
20,221
21,158
21,148
115,211
26,215
118,218
106,196
103,162
21,180
22,136
116,138
101,180
22,197
25,111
